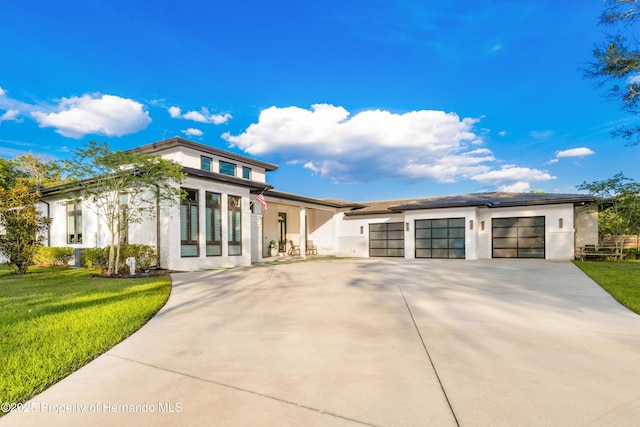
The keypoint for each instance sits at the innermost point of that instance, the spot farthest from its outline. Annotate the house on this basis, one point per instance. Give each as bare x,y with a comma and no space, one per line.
220,224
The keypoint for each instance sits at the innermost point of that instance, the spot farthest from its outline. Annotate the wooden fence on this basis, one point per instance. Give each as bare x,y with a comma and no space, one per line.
629,242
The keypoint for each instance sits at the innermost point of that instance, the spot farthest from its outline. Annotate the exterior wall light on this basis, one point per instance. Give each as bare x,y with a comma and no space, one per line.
470,224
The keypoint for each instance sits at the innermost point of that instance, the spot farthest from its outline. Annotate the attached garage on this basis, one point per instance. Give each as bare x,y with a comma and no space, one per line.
518,237
386,239
440,238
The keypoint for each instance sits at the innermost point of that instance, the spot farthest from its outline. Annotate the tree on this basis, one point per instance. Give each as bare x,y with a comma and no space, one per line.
122,187
617,61
40,170
618,204
22,224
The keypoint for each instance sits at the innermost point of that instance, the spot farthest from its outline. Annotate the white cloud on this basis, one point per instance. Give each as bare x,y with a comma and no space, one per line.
575,152
496,48
175,112
516,187
368,145
192,132
10,115
512,177
541,134
202,116
92,114
2,92
502,133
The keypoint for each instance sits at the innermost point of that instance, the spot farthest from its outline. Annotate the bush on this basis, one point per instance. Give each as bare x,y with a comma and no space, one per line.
632,253
99,257
145,256
95,258
53,256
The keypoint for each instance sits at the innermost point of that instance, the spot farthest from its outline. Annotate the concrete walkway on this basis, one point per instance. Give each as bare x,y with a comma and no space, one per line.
374,342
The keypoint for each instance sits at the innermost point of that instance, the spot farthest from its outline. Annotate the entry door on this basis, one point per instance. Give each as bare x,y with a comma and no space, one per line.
282,232
518,237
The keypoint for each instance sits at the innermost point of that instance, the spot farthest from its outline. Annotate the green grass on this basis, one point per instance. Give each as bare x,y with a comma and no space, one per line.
620,279
53,321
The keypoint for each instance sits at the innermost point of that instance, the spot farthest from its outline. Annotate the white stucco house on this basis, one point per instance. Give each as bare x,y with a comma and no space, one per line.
220,223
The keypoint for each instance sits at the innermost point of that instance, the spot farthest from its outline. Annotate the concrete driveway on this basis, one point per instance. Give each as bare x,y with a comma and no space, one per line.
374,342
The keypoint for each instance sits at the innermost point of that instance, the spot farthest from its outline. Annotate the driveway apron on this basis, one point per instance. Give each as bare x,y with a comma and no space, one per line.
375,342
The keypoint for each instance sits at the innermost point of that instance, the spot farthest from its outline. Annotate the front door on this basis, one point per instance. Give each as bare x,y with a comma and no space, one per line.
282,232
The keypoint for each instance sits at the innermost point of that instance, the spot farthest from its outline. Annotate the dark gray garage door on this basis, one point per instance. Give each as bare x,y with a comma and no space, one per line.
521,237
386,239
440,238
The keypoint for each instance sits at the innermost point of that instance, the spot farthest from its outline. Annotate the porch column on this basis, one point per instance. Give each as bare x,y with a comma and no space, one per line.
303,228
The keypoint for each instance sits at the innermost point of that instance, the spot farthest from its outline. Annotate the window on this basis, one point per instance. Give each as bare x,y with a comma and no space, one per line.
205,163
189,224
123,221
235,225
213,224
246,172
440,238
74,222
227,168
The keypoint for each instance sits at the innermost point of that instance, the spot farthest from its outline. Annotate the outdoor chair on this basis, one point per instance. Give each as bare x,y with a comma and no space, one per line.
311,248
294,249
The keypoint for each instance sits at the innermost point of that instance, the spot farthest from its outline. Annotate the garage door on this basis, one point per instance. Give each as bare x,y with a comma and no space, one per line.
386,239
521,237
440,238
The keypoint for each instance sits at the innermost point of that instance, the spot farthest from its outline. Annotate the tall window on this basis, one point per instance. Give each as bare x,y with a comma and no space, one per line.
246,172
227,168
74,222
213,224
235,225
123,222
205,163
189,224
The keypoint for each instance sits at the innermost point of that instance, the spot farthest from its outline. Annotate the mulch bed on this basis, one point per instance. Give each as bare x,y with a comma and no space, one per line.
154,272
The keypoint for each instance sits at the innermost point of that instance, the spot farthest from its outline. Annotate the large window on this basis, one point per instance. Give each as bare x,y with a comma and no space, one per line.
74,222
189,224
440,238
235,225
213,224
518,237
386,239
227,168
205,163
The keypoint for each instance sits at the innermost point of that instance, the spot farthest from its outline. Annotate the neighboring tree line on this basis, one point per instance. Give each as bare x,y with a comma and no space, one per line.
103,178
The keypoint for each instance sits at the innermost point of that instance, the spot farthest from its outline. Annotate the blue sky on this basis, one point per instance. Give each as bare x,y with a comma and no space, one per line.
359,100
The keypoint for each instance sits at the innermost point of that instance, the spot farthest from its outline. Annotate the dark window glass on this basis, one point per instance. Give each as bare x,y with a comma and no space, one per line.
234,225
74,222
227,168
518,237
189,224
246,172
205,163
213,232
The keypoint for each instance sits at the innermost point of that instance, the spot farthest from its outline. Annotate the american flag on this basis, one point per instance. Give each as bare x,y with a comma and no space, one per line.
260,199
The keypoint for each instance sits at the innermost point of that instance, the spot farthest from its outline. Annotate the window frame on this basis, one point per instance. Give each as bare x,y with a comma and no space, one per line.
206,159
74,214
187,215
224,165
234,225
213,226
247,172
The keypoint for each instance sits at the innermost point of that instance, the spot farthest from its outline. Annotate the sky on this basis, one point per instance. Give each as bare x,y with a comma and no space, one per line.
356,100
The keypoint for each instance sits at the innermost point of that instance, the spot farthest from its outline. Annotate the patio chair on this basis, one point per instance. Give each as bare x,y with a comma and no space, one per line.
311,248
294,249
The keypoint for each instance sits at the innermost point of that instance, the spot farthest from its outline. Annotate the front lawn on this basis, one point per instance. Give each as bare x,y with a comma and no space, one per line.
620,279
53,321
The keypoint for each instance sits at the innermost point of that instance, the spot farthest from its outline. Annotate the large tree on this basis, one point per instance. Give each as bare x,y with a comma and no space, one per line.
618,205
122,187
617,60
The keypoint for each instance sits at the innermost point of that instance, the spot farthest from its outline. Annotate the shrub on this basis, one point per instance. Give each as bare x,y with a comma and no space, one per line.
145,256
94,258
632,253
53,256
